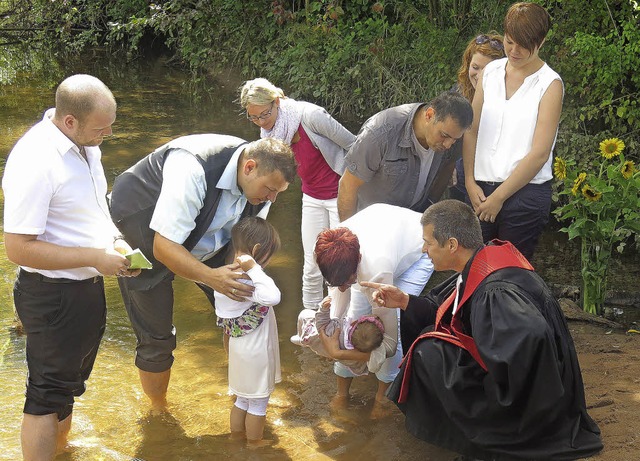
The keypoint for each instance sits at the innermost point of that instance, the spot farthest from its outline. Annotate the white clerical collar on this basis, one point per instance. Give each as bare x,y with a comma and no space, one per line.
455,303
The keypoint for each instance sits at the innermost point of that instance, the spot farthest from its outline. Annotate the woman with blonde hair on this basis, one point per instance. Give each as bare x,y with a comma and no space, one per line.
319,143
479,52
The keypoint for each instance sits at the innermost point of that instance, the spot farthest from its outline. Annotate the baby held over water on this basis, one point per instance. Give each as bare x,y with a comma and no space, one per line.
376,334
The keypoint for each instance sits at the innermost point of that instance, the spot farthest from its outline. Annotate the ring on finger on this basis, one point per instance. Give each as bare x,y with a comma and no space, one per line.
233,291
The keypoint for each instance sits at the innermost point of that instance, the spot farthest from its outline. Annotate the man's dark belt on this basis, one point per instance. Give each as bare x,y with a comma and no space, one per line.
45,279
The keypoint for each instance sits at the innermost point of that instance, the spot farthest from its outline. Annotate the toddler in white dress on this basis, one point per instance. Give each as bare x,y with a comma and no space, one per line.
250,330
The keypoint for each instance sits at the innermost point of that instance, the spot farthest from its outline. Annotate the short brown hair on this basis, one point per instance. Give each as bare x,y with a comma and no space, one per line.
272,155
527,24
454,219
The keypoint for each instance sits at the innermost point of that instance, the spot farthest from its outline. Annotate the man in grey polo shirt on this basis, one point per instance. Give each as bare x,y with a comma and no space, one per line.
404,155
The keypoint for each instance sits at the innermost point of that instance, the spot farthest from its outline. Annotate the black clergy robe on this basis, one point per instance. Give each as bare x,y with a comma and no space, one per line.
529,404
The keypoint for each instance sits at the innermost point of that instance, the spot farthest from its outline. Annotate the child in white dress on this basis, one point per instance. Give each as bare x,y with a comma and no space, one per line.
250,330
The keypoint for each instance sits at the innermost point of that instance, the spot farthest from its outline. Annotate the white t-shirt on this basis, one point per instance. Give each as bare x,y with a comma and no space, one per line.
52,192
506,129
390,242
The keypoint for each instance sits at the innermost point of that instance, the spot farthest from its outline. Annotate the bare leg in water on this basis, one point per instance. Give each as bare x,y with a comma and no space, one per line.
155,386
43,436
340,401
382,406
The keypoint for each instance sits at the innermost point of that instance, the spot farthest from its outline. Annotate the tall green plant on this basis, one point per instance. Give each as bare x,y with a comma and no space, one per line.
602,210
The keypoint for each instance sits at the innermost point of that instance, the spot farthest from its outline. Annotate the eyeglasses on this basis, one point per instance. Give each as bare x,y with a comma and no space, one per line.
263,116
494,43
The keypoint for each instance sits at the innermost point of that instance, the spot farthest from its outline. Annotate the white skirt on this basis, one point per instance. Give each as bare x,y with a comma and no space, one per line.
254,360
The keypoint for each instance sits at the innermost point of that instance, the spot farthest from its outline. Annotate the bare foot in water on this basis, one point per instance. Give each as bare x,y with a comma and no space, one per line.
158,409
339,403
382,409
254,444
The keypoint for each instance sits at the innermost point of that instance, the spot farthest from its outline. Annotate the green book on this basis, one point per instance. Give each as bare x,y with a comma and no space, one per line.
138,260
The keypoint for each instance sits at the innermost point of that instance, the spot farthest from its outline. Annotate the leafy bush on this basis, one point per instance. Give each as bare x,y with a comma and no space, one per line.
356,57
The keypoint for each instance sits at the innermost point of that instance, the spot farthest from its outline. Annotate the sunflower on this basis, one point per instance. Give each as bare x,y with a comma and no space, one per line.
611,147
578,182
628,168
590,193
560,168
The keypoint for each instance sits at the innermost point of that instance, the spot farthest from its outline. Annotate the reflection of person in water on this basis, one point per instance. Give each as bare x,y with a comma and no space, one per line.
492,371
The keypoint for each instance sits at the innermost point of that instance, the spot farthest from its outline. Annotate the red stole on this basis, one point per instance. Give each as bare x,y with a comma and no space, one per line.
489,259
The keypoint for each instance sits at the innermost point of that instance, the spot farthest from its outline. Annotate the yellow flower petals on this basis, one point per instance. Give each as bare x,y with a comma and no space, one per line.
611,147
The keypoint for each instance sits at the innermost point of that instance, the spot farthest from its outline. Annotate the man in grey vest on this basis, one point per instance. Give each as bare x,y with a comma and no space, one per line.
178,205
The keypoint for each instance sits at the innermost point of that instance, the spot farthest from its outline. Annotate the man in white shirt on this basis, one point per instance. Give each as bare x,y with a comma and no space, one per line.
58,229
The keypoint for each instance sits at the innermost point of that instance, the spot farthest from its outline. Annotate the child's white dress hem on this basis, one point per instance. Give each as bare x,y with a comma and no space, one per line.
254,360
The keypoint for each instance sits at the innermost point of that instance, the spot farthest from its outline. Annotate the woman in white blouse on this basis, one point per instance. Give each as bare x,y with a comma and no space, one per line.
509,146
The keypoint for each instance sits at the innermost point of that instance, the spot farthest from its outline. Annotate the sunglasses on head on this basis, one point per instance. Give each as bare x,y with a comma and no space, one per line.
495,44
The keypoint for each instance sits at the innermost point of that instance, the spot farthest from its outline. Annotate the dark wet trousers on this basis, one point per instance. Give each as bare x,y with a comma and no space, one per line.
64,321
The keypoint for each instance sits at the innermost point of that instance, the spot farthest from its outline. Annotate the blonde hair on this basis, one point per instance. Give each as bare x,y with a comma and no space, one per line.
259,92
486,48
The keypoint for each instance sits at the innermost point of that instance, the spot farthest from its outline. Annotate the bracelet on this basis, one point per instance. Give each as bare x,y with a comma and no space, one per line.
119,237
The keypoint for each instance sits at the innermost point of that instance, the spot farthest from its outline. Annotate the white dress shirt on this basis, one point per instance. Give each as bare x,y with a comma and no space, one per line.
52,192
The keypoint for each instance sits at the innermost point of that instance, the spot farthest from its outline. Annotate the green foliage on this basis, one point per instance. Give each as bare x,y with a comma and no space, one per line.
602,209
356,57
603,201
596,50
